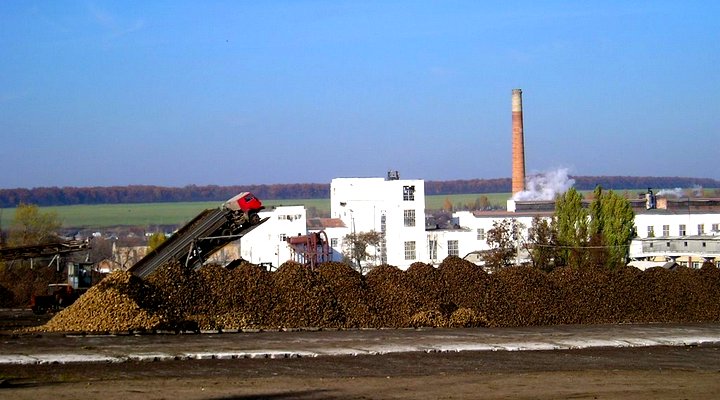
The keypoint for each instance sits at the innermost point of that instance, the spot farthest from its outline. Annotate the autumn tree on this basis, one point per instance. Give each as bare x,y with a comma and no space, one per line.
447,205
155,240
503,240
32,226
356,249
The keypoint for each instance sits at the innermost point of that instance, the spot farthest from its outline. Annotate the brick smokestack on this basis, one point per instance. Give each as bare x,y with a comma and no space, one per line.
518,143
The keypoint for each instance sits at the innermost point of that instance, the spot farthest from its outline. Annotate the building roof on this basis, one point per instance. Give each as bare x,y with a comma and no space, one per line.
324,223
511,214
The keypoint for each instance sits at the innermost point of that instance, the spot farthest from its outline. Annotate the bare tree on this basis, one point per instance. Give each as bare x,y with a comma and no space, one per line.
356,249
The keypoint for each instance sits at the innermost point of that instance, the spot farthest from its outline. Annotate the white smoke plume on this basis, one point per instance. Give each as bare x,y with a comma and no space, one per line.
677,192
697,191
545,186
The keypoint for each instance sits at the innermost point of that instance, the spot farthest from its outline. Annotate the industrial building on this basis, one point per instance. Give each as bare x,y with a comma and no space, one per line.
683,231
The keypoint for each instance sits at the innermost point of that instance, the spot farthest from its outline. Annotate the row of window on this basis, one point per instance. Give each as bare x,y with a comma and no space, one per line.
289,217
682,230
696,264
411,249
685,244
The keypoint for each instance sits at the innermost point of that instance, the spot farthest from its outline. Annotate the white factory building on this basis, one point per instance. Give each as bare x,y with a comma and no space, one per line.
395,208
685,231
682,231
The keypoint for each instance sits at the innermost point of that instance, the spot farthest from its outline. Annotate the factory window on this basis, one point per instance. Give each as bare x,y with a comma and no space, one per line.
410,250
704,244
685,244
666,230
453,249
715,227
409,217
283,237
682,230
651,231
408,193
651,245
701,229
432,249
667,244
333,243
481,234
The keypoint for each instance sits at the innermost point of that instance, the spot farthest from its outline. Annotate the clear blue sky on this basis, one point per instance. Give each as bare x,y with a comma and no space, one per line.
171,93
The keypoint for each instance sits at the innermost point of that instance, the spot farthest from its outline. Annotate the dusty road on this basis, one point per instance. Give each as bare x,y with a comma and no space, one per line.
573,362
637,373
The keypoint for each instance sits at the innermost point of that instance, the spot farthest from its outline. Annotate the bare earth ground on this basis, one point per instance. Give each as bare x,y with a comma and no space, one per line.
684,372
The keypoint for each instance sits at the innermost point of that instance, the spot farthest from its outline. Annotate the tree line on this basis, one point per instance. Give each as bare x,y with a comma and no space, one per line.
61,196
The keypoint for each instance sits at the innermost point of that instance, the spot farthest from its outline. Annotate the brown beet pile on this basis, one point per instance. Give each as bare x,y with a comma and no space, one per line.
333,295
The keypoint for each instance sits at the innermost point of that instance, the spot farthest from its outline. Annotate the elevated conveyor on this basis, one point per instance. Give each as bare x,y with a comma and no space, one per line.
43,250
195,241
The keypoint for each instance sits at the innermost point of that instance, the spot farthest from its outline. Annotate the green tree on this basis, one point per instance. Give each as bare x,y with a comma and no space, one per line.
572,229
155,240
32,226
356,248
611,228
597,253
618,227
599,236
503,239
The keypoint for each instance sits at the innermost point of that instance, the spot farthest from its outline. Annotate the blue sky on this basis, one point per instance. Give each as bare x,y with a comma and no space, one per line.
172,93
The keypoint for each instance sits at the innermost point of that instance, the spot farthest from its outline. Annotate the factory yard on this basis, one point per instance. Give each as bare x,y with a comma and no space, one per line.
594,361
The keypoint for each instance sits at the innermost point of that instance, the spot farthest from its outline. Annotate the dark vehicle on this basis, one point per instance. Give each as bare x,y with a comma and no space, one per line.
58,296
61,295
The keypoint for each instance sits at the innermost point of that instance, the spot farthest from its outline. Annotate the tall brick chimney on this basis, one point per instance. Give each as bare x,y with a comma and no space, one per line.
518,143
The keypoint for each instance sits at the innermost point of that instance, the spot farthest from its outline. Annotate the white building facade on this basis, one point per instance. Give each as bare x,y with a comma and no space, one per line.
266,244
393,207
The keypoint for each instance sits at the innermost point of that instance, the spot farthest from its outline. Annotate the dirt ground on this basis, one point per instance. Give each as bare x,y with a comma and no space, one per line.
638,373
672,372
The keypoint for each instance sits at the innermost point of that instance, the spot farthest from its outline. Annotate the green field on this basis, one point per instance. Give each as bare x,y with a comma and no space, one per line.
146,214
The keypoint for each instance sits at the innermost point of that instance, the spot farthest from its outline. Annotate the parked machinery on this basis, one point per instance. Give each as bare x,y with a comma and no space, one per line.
205,234
311,249
61,295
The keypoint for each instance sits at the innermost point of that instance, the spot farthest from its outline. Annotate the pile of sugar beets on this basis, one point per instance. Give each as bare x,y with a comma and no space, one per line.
334,296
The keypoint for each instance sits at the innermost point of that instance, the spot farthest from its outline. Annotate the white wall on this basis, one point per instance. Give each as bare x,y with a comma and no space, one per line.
266,243
674,220
363,202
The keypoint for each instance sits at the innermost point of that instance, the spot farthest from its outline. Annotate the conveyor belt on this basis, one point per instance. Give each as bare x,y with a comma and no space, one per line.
42,250
188,246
